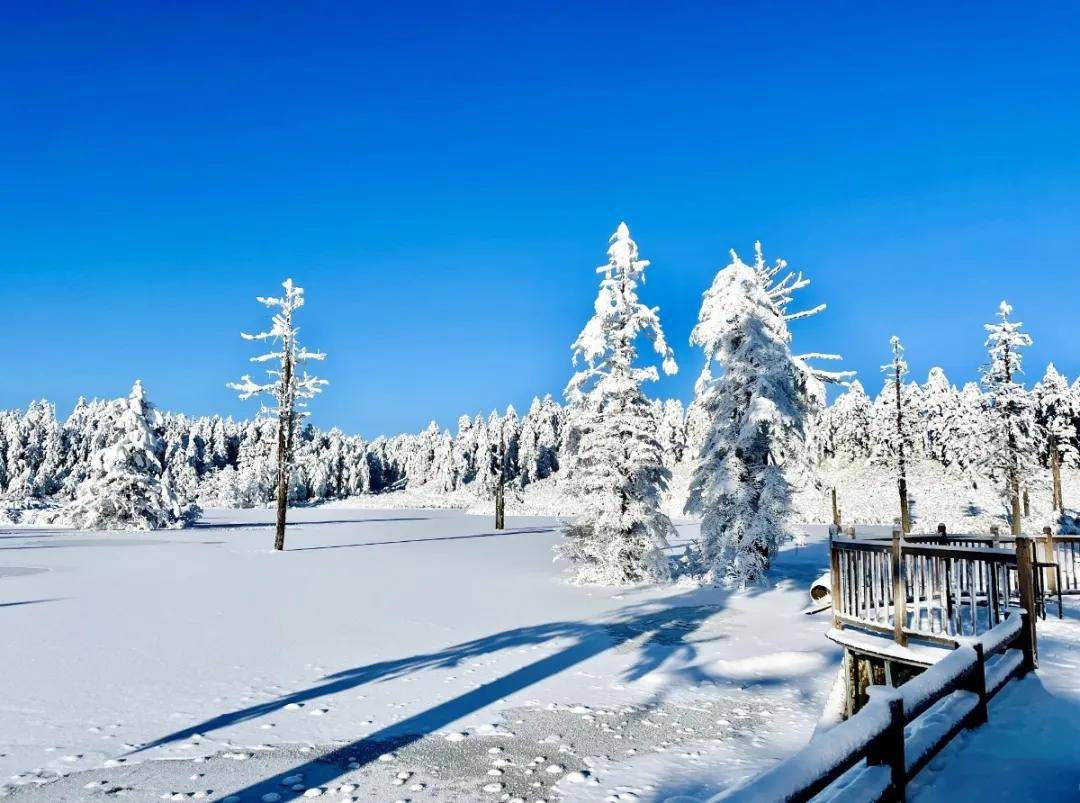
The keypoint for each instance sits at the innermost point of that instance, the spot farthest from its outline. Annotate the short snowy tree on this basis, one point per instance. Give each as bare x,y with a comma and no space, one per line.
938,403
289,389
126,488
618,470
757,410
1056,410
847,425
1012,437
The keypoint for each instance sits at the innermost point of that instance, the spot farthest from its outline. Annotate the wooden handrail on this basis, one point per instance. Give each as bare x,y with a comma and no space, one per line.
875,735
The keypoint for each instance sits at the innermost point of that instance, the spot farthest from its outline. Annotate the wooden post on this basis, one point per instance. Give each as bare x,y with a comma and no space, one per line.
976,682
1055,473
1051,575
1025,577
835,509
888,749
995,533
834,579
850,532
942,534
899,590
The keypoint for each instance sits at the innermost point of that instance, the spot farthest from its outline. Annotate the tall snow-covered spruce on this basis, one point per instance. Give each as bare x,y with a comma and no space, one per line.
758,409
1012,439
125,487
617,470
286,387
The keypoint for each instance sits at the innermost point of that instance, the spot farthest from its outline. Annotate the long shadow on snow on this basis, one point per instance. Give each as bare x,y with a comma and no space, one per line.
263,525
658,630
426,540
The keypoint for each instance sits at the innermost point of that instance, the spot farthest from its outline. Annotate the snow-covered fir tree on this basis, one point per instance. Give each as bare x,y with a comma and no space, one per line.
1011,445
758,410
618,471
847,426
1056,411
126,488
939,402
288,386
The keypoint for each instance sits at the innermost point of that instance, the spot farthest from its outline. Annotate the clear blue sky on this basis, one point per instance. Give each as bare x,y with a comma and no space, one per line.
442,178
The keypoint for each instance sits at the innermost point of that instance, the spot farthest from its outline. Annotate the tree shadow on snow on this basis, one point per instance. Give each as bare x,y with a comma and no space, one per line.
268,525
657,631
668,623
426,540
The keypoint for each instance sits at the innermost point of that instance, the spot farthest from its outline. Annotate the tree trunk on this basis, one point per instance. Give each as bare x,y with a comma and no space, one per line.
905,511
1055,472
835,509
500,506
284,446
1015,488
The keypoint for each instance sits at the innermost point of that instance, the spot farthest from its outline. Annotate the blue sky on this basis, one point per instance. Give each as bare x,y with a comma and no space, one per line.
442,178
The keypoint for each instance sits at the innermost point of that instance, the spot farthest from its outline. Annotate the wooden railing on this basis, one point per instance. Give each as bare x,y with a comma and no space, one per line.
940,594
1061,550
875,754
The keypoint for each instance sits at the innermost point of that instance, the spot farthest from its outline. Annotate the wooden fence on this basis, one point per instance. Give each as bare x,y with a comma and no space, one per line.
875,754
938,594
976,599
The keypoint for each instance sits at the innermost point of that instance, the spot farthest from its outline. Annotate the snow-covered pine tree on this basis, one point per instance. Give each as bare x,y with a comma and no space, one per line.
1055,411
618,470
963,440
672,433
847,425
125,488
939,401
289,389
1011,440
895,417
755,446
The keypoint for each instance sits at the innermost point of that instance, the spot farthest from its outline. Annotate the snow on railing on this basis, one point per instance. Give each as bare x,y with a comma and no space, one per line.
875,754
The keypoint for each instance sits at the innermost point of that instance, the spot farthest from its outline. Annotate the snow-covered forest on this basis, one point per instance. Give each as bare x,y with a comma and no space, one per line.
45,458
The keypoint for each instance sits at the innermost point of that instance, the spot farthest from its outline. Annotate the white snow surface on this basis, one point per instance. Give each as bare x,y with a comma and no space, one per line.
394,654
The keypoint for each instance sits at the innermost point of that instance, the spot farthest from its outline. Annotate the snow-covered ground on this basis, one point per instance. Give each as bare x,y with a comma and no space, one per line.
393,654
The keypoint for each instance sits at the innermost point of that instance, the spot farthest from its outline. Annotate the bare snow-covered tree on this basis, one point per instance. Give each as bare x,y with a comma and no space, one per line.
289,389
126,488
618,470
758,410
896,413
1011,441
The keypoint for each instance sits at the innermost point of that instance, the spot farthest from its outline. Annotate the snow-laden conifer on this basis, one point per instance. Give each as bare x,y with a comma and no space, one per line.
1012,437
1056,411
126,488
757,410
847,425
618,470
288,388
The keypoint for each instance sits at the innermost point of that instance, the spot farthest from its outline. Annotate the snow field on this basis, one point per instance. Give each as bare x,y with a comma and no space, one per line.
409,654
